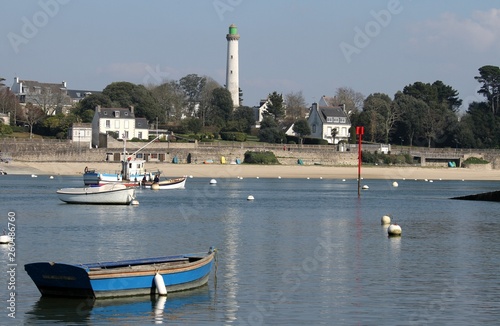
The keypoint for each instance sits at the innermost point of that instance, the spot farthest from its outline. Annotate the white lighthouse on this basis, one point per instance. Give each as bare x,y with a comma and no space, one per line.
232,78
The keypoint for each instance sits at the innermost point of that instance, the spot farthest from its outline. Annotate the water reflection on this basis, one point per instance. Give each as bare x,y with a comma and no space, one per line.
120,310
231,254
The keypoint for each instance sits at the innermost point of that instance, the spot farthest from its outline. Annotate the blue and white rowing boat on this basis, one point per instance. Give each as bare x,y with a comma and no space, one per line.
122,278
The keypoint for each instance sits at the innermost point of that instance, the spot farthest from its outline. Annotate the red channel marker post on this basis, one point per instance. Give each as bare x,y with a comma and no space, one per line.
359,131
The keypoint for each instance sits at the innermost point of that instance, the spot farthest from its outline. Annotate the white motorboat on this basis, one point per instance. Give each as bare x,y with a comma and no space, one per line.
112,194
175,183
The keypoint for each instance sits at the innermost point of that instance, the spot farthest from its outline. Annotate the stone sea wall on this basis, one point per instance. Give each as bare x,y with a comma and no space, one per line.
65,151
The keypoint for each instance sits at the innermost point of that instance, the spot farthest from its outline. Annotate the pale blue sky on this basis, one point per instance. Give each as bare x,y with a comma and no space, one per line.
313,46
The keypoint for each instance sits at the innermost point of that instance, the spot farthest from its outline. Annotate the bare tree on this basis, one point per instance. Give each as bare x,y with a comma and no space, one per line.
9,103
49,100
295,106
31,115
352,100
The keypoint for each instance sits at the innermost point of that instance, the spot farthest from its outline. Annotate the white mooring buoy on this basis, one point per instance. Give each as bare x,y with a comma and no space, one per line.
250,197
395,184
134,202
213,182
160,284
394,230
4,238
365,187
386,219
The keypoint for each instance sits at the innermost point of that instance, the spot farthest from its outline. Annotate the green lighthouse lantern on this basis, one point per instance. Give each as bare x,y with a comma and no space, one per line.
233,30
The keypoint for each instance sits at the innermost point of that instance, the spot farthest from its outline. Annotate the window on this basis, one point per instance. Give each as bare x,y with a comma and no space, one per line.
117,124
342,120
336,120
117,114
314,128
139,135
126,124
329,119
108,123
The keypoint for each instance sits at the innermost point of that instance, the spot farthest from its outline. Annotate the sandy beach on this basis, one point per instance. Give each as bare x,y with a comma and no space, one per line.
261,171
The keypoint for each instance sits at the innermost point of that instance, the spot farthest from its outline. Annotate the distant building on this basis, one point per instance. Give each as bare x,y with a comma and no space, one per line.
329,122
5,118
259,111
119,120
81,133
51,97
77,95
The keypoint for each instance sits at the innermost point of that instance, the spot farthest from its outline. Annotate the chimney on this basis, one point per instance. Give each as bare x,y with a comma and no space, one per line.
132,110
16,79
98,108
63,84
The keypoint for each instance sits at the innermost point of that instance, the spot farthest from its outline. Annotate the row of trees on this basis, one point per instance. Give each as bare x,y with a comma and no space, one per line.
425,114
421,114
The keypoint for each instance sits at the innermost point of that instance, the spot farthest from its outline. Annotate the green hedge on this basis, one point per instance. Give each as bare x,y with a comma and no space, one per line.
381,158
475,160
260,158
233,136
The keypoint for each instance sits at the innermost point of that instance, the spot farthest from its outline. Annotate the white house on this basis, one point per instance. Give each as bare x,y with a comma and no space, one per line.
327,119
81,133
5,118
119,120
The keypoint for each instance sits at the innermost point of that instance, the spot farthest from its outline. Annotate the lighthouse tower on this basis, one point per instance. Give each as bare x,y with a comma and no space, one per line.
232,78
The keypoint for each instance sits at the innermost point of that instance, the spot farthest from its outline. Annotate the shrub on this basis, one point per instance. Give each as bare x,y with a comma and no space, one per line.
260,158
233,136
475,160
5,129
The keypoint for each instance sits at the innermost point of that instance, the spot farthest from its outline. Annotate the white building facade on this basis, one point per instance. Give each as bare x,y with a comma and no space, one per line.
118,120
330,123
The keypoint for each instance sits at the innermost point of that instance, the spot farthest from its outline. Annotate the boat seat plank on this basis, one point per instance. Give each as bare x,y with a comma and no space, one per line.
132,262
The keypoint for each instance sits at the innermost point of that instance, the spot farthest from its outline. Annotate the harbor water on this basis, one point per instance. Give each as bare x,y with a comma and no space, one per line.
304,251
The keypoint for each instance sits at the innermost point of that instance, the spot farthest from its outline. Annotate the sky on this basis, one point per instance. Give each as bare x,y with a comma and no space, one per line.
308,46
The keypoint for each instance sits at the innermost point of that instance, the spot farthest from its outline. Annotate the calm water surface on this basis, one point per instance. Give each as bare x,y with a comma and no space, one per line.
303,252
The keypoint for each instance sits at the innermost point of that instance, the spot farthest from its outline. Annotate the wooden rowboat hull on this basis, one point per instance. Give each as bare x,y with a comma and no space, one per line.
121,278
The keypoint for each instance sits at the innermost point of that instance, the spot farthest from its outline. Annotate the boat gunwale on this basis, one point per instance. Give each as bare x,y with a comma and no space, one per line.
149,270
63,191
